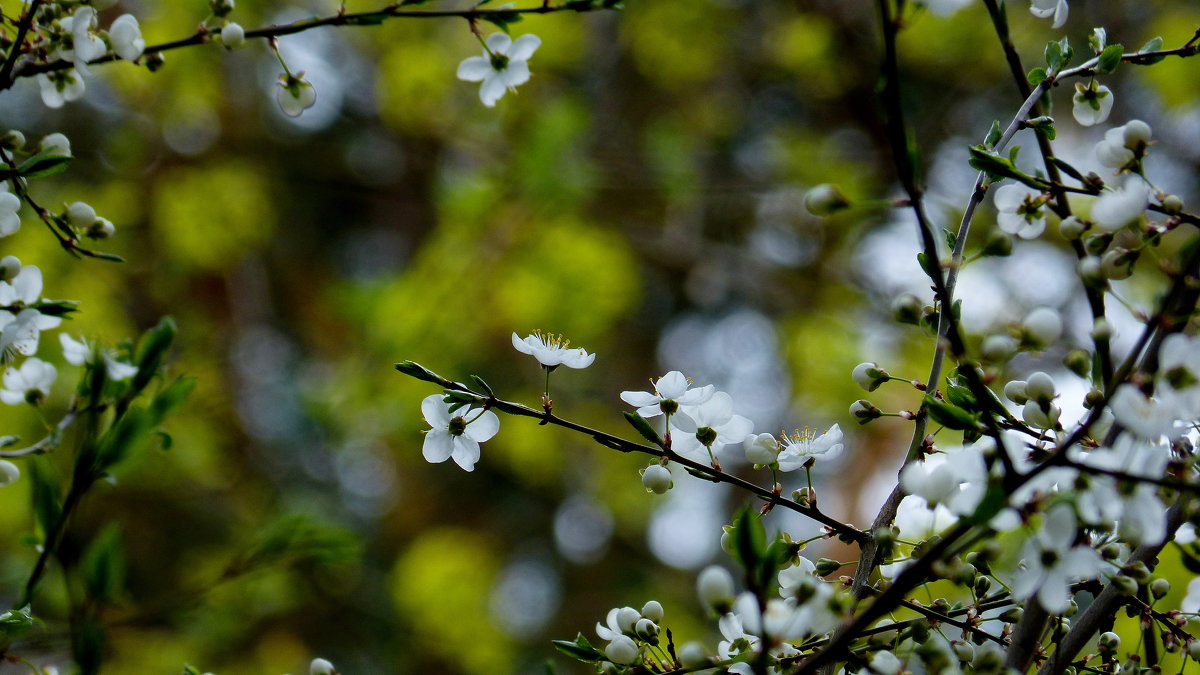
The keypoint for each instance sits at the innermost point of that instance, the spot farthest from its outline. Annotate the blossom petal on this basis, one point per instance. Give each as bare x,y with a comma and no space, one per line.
491,91
524,47
522,346
475,69
499,43
516,73
438,446
639,399
465,452
673,385
483,428
436,412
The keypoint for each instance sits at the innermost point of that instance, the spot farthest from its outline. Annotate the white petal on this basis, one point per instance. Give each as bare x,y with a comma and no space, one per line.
475,69
74,351
499,43
28,284
523,346
465,453
577,358
484,428
491,91
436,412
438,446
524,47
1054,595
516,73
639,399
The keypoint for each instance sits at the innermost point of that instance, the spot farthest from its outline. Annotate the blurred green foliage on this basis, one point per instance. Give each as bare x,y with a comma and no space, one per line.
622,189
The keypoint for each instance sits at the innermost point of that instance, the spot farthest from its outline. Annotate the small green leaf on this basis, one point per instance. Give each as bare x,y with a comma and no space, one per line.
949,416
45,163
749,539
1110,58
928,265
418,371
994,135
151,350
1098,39
1151,46
1067,168
501,20
56,307
580,649
951,238
479,382
13,624
103,566
47,497
643,427
1036,76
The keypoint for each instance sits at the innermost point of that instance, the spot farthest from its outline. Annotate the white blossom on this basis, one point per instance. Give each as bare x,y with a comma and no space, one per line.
56,145
1117,208
29,382
1146,418
1052,562
1043,9
9,473
19,332
552,351
321,667
10,221
1091,105
295,94
503,66
657,478
946,7
714,585
709,426
126,37
79,352
456,436
670,391
805,444
61,87
1020,211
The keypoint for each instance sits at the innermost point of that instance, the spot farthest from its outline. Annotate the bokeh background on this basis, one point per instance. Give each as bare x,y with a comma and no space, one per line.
642,195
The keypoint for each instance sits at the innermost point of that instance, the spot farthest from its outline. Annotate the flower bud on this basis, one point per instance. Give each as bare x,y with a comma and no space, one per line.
1040,387
9,473
627,618
998,347
101,229
906,308
153,61
657,479
1172,204
1194,649
964,650
1109,643
761,449
1043,419
864,411
81,215
1091,271
1015,392
1012,615
653,610
998,244
1117,263
1042,326
691,655
233,35
715,588
827,566
1137,134
221,7
10,267
1079,362
1102,330
15,140
1072,228
56,145
1124,584
646,630
622,650
824,200
1159,588
869,375
321,667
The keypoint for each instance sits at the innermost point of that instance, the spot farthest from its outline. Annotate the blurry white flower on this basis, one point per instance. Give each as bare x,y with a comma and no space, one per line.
86,45
295,94
552,351
1046,8
321,667
79,352
711,425
503,66
946,7
126,37
10,222
19,333
28,383
56,145
1146,418
1020,210
1052,562
761,449
1117,208
59,87
456,437
714,586
1122,144
9,473
1042,326
1092,104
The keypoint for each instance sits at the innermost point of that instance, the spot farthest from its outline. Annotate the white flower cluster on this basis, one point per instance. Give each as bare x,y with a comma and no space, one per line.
76,38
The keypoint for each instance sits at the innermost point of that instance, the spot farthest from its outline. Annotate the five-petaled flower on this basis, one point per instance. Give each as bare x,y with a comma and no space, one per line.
1020,211
503,66
670,391
455,435
552,351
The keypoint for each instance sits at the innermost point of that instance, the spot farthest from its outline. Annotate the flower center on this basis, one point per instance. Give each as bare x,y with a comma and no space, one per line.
548,340
706,435
500,62
457,426
1049,558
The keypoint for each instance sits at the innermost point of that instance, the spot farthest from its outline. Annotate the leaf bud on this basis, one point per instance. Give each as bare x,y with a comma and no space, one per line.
1117,263
101,229
964,650
825,199
827,566
1091,271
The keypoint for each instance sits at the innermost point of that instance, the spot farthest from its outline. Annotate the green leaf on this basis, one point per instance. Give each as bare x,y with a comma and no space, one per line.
1190,561
88,645
47,497
1044,125
995,499
994,135
580,649
1098,39
151,350
1110,58
420,372
983,159
1067,168
190,670
103,566
948,415
45,163
643,427
501,20
13,624
56,307
749,539
1054,56
951,238
170,399
127,436
479,382
1036,76
929,266
1151,46
958,393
